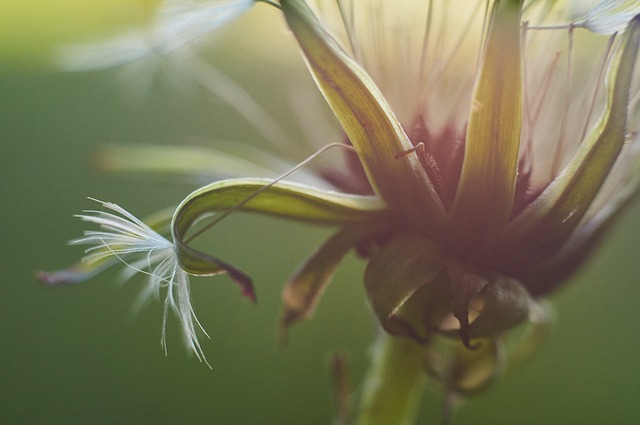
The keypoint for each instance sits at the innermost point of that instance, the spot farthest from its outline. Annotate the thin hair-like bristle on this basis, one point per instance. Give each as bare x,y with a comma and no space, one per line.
144,251
218,218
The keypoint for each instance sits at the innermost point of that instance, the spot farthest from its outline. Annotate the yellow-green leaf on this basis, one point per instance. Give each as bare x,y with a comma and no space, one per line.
544,277
541,229
305,287
367,120
394,275
286,200
484,198
283,199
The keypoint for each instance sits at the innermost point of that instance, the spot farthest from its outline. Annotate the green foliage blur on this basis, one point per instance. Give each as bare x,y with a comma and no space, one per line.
31,30
80,355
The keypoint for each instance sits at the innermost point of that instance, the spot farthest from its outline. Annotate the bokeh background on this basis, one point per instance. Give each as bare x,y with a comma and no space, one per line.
79,355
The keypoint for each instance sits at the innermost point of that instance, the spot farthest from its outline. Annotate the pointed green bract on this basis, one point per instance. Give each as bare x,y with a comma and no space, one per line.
287,200
506,303
484,198
367,119
581,244
465,285
283,199
394,275
484,307
304,289
225,160
541,229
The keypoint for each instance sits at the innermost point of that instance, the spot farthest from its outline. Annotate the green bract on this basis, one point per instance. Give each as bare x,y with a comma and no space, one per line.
368,122
287,200
547,222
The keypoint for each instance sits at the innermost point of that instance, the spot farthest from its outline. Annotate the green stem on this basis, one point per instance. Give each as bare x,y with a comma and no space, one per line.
394,383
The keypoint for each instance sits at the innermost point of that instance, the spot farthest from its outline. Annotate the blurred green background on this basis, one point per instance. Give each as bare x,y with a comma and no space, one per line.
78,355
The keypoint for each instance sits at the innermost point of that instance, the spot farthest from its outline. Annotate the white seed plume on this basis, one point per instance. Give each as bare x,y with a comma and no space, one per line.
143,250
177,23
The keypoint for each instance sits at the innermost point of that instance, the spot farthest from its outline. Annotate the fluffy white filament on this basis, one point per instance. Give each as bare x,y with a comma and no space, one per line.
143,250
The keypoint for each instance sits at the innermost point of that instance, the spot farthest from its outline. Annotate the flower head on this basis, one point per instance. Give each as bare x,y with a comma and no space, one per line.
490,161
513,149
494,171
